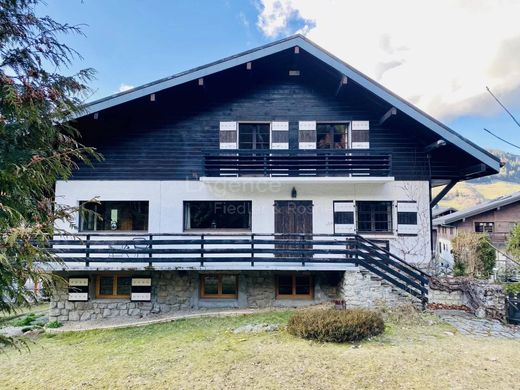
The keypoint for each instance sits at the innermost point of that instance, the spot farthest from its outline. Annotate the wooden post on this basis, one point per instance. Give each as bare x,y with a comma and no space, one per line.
201,250
150,246
252,249
87,247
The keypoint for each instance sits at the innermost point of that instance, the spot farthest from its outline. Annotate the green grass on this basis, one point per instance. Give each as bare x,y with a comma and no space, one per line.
204,353
11,318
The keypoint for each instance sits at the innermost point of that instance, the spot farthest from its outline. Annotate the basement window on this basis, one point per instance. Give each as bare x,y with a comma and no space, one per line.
484,227
374,217
217,215
219,286
114,216
294,286
113,286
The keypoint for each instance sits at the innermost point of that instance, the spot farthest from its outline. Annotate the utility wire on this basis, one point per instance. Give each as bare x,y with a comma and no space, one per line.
504,107
501,139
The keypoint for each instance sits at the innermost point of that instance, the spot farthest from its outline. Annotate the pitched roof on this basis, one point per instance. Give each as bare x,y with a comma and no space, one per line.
478,209
402,105
436,211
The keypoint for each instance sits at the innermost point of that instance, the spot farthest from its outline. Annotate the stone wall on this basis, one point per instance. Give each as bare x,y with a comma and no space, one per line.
360,288
484,298
174,291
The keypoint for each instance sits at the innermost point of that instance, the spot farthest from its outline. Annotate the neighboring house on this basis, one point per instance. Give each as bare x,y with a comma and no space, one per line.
495,217
438,211
276,177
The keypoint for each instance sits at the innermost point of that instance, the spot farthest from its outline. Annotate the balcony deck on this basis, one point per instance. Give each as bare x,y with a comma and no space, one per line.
297,163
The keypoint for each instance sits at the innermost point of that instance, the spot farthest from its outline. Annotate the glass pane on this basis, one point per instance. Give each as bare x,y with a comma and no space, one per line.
331,135
115,215
285,285
229,284
262,136
340,136
323,136
303,286
106,285
218,215
124,284
253,136
210,284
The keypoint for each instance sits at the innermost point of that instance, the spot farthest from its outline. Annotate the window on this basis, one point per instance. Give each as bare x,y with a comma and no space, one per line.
331,135
217,215
113,286
219,286
406,218
484,227
374,217
254,135
294,287
114,215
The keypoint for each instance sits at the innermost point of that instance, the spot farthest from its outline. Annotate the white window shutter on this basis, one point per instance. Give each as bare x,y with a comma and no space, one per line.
360,134
279,135
78,289
141,289
344,217
228,135
307,135
407,218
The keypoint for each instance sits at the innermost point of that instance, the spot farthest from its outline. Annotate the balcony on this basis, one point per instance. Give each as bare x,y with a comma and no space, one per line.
297,163
234,252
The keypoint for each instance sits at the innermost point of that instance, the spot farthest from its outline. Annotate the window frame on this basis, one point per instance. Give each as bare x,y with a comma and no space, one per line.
309,296
219,295
348,143
81,218
255,123
114,294
484,225
390,220
216,229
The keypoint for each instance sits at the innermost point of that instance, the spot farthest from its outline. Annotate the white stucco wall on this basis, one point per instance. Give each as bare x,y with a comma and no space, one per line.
166,203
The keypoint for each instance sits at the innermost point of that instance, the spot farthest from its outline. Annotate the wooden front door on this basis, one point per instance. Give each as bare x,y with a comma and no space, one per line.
292,216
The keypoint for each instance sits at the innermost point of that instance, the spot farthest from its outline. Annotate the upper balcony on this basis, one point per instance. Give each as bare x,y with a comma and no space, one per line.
298,163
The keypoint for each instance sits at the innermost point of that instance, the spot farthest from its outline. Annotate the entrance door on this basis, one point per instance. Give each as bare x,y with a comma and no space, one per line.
293,216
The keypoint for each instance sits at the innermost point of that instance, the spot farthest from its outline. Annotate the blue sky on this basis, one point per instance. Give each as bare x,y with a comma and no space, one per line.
133,42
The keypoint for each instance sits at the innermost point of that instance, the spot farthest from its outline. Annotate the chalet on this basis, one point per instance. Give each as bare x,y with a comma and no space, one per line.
495,217
280,176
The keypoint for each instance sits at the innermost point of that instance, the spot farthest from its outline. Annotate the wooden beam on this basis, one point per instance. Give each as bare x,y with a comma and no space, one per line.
391,112
96,115
249,66
473,170
343,81
152,97
296,50
434,145
443,192
201,81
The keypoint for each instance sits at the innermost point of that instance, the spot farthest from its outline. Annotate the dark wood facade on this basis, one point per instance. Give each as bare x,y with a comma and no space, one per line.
167,138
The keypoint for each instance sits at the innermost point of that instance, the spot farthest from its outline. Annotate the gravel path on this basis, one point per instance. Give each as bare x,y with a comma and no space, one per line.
468,324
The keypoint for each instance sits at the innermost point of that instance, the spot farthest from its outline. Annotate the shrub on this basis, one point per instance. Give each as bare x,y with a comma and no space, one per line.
335,325
27,320
513,288
53,324
473,254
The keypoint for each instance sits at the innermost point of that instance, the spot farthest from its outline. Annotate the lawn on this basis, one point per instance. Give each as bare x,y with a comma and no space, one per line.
206,354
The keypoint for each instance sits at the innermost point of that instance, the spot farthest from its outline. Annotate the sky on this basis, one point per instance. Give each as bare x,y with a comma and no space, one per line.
439,55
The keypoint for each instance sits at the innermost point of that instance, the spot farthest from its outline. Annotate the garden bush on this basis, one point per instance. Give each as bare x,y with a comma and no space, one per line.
334,325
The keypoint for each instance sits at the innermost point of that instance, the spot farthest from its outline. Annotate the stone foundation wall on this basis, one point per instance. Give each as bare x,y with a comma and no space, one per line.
363,289
485,299
174,291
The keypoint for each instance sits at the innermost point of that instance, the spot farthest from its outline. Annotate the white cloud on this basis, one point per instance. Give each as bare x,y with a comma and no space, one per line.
125,87
439,54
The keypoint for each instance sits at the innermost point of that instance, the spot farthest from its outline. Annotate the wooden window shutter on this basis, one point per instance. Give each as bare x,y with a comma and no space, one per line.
280,135
141,289
407,223
344,217
360,134
228,135
78,289
307,135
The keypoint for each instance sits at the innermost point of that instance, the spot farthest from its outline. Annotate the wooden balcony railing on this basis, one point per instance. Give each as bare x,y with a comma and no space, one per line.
199,249
297,163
